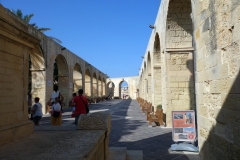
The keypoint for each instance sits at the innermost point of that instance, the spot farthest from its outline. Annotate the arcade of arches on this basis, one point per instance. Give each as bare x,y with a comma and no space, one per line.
191,63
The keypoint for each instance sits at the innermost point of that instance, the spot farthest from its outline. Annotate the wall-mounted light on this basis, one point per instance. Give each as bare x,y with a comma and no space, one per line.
151,26
63,48
142,57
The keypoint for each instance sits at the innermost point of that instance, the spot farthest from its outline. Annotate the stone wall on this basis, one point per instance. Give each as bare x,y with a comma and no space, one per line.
15,47
199,45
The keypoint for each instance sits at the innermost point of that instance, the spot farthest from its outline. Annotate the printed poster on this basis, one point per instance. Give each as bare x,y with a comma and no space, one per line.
183,125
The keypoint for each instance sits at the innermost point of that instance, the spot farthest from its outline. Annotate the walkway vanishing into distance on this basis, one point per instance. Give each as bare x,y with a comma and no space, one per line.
130,129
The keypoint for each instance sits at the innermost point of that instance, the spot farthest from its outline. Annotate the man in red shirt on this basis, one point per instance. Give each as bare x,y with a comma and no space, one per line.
80,105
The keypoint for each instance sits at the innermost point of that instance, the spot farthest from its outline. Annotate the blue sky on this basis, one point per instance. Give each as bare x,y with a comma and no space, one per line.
112,35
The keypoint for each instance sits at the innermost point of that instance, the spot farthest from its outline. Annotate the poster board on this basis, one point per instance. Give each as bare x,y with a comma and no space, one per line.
183,127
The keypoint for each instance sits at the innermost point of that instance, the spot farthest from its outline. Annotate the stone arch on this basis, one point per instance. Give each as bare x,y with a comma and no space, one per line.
60,76
99,86
179,28
37,85
145,82
77,77
110,88
156,50
156,75
88,86
104,87
179,66
149,77
123,89
95,85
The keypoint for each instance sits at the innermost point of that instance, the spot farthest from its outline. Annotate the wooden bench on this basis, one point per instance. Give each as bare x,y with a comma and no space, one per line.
157,117
148,110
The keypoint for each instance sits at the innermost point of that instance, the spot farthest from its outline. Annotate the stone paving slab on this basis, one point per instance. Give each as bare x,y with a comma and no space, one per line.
130,129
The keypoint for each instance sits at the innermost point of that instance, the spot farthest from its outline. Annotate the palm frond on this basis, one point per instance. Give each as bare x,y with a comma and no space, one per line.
27,18
55,39
43,29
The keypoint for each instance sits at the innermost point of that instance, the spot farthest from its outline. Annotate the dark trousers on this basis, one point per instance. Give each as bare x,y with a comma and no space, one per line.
36,119
76,118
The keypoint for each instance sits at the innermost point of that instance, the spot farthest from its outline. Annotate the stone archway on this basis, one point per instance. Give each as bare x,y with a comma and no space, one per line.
157,82
123,89
99,86
37,85
95,86
88,86
149,77
104,87
77,77
179,66
111,89
60,76
145,82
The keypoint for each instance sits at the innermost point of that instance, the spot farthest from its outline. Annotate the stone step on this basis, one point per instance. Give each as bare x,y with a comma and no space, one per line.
134,155
117,153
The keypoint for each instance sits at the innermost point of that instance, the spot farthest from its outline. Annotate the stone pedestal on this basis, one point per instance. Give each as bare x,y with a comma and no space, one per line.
97,121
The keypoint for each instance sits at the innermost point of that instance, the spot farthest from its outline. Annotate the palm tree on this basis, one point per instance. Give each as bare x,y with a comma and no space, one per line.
27,19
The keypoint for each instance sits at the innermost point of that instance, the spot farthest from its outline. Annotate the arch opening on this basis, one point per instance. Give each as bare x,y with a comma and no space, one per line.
124,90
60,76
100,86
88,87
36,85
149,78
77,78
95,85
104,87
111,89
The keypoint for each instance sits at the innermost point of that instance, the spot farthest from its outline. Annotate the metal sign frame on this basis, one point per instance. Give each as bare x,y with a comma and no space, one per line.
183,126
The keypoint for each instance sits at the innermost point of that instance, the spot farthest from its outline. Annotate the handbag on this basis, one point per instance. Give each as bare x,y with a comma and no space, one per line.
87,109
55,113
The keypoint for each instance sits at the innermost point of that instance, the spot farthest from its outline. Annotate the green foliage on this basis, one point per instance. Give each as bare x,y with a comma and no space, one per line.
27,19
159,106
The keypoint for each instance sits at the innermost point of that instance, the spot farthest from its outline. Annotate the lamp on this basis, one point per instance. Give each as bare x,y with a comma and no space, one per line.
63,48
151,26
143,57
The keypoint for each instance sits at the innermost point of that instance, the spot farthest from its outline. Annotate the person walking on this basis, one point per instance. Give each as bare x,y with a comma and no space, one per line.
36,111
81,105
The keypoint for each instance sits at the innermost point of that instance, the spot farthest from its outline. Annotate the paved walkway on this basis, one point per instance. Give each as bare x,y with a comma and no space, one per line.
130,129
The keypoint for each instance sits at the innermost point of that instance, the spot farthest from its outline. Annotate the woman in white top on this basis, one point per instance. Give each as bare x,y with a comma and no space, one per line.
56,114
55,94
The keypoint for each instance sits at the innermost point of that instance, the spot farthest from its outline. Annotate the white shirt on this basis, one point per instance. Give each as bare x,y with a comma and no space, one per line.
56,107
54,95
38,109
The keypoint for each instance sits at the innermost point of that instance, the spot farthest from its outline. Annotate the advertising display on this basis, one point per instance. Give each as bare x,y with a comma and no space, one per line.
183,126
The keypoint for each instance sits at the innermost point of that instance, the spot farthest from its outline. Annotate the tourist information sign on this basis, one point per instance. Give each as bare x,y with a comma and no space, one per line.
183,127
